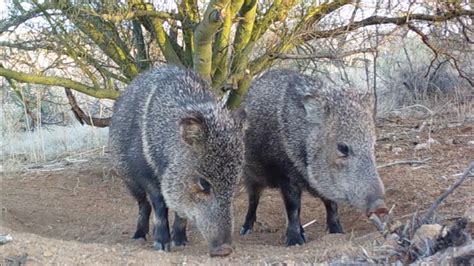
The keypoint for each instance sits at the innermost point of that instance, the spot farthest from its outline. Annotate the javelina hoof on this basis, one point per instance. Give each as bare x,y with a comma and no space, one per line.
295,238
220,251
335,228
139,235
161,246
179,242
245,231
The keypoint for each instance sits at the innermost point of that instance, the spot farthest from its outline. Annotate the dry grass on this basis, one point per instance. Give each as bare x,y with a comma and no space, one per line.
20,149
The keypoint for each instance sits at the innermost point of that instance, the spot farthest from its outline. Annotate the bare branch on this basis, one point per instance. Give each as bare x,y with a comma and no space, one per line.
440,199
6,23
377,20
81,116
321,55
404,162
436,52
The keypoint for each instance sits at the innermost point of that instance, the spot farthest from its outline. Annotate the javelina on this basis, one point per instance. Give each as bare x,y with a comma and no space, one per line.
176,147
303,135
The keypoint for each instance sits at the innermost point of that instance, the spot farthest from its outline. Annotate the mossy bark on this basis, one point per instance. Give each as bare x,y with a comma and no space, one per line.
58,81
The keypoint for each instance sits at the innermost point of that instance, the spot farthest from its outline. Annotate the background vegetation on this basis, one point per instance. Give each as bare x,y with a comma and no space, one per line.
61,55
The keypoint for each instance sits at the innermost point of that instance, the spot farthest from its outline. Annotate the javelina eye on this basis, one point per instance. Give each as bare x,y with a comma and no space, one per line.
343,149
204,186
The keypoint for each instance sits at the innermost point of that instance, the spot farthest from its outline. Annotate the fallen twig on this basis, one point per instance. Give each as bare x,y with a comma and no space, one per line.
438,201
308,223
377,222
404,162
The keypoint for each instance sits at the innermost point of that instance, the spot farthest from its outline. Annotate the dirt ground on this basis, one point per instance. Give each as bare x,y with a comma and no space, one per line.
78,212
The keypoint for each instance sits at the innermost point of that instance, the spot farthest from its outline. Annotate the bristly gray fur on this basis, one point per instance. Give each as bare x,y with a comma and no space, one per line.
295,124
169,133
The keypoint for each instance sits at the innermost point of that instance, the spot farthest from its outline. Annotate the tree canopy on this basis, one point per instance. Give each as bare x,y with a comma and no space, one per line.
227,42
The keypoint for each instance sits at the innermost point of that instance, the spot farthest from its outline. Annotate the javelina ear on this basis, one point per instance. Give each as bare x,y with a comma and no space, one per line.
240,117
314,108
192,129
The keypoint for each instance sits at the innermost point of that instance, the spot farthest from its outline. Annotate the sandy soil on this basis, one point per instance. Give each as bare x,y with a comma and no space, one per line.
80,213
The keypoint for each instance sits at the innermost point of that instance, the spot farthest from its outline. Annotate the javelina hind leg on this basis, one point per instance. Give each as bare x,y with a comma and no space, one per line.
332,217
144,210
161,231
292,197
254,192
179,231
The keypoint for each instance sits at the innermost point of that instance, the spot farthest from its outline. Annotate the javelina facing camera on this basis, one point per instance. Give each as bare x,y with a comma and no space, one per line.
304,135
176,148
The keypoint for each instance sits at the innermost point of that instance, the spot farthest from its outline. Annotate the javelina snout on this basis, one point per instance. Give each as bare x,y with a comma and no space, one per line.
215,222
220,244
376,206
176,147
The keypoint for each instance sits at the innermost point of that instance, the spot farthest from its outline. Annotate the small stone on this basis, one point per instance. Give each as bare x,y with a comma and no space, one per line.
387,146
397,150
48,253
427,233
393,237
432,141
421,146
470,144
5,239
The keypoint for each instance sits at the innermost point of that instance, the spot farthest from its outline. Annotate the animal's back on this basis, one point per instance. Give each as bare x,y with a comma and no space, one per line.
277,127
149,109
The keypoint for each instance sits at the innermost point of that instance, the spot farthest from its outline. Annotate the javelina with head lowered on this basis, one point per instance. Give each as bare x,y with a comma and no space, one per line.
176,147
302,134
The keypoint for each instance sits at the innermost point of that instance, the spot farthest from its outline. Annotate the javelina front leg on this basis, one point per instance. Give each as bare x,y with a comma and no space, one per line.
254,192
161,230
179,231
144,211
332,217
292,197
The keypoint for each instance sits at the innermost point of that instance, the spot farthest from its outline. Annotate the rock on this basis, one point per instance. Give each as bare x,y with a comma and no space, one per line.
393,236
397,150
426,234
453,141
432,141
421,146
387,146
470,144
5,239
48,253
